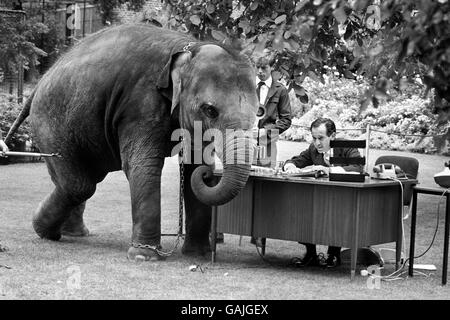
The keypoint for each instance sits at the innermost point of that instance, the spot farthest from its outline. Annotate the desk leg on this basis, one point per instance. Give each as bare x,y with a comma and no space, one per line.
413,233
353,259
446,235
354,248
213,233
399,242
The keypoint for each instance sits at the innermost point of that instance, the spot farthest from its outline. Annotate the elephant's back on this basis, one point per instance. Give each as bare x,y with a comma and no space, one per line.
125,50
83,80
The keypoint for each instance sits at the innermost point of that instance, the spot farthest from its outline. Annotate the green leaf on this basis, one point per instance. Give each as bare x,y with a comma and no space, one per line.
280,19
300,5
261,43
305,32
244,24
349,75
254,6
218,35
306,61
210,8
195,19
294,44
263,22
360,5
287,34
313,76
360,41
340,15
410,48
299,90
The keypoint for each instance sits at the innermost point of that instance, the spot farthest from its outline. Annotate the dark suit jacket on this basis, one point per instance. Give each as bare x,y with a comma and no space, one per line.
312,157
278,109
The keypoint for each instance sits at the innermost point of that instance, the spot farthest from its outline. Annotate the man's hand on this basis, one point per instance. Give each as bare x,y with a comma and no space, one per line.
291,168
3,148
262,132
321,168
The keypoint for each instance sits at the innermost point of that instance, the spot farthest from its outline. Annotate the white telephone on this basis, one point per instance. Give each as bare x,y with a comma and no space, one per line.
386,171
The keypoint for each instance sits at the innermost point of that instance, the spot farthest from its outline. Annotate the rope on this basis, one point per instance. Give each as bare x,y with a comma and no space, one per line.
376,130
410,135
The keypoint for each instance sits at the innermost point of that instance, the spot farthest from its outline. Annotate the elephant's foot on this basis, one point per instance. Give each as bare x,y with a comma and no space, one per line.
144,254
45,230
191,248
74,225
71,230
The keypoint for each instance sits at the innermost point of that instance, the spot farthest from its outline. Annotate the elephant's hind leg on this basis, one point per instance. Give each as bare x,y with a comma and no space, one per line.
74,225
58,207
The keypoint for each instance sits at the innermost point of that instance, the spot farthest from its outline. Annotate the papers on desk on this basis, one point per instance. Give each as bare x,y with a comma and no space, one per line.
263,170
341,170
302,173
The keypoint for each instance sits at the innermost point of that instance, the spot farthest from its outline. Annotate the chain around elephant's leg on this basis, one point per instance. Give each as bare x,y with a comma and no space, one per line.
145,189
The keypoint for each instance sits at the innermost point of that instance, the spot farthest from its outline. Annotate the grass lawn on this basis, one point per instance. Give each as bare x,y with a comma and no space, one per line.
42,269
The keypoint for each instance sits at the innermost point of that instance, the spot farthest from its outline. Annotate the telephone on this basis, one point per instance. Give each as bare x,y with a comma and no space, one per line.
386,171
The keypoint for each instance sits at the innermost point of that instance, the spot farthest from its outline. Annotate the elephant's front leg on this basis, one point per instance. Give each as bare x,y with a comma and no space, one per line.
144,176
198,218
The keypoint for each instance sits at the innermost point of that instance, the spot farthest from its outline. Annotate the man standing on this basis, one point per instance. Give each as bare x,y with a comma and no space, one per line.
274,114
317,156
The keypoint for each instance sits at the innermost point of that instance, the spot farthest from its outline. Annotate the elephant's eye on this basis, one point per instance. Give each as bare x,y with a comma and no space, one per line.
210,111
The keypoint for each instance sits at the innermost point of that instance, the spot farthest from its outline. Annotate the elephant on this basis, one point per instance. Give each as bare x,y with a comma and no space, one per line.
112,102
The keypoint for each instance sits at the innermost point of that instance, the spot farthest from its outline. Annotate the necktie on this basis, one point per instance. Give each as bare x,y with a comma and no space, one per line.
258,89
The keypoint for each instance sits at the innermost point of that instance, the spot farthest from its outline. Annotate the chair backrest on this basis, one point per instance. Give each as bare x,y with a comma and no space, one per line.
410,167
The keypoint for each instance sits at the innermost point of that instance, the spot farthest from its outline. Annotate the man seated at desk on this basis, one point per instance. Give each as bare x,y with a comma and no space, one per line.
316,157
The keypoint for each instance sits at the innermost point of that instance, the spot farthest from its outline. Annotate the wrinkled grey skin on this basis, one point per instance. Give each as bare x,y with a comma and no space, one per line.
112,102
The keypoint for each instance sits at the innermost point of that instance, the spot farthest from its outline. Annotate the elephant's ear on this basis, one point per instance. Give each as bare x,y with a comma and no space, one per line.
170,77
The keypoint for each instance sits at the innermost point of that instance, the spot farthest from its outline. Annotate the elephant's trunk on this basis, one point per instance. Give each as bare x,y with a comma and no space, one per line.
236,157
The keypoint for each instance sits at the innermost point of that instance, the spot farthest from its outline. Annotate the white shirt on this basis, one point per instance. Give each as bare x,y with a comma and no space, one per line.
326,157
264,89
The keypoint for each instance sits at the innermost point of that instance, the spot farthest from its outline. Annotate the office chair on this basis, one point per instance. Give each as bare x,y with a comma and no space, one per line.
409,168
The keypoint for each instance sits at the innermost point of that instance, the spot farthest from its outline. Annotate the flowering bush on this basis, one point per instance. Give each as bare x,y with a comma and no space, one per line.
338,99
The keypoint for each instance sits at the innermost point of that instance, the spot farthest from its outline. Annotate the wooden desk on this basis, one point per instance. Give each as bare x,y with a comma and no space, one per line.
436,192
345,214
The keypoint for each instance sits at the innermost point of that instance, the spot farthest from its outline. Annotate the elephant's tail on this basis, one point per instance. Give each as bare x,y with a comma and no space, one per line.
22,116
